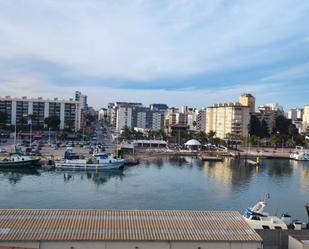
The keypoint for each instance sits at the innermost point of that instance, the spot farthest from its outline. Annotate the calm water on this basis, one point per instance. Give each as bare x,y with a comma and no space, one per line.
169,183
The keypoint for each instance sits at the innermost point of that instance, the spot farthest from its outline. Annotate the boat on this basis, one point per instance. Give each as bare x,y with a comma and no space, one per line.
100,161
300,154
258,219
18,160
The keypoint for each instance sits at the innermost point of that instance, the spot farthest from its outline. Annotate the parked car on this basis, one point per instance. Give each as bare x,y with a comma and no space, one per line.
3,150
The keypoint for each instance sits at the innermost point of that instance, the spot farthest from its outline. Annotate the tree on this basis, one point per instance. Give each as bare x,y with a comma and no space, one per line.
211,135
69,124
281,125
274,140
255,140
255,126
3,118
264,129
53,122
290,142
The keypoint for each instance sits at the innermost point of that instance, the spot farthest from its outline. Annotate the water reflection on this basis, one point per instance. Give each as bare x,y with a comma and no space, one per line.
14,175
98,177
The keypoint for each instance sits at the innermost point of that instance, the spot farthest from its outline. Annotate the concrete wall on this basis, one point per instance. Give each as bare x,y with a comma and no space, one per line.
273,239
134,245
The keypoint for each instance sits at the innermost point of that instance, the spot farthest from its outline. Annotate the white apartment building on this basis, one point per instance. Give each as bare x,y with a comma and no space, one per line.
157,120
124,117
82,99
141,119
38,109
295,114
228,118
306,119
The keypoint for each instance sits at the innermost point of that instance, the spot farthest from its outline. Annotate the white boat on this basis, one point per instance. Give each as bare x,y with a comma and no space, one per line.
300,154
100,161
258,219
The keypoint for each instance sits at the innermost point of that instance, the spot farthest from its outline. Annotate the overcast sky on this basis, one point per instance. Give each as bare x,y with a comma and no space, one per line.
179,52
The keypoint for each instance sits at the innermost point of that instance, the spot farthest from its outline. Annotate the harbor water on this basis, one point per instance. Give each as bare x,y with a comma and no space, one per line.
181,183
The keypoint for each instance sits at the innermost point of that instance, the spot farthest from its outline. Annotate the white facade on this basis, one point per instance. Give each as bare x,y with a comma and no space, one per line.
141,120
124,118
295,114
192,120
44,112
157,121
306,119
82,99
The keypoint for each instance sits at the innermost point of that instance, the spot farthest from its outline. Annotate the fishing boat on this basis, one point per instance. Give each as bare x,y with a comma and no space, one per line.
100,161
16,159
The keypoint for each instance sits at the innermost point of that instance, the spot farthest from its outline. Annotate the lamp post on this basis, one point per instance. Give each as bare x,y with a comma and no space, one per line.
49,136
30,123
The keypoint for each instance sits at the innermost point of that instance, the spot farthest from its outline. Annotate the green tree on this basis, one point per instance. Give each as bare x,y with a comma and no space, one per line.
255,126
53,122
274,140
3,119
281,125
210,136
290,142
68,124
264,129
255,140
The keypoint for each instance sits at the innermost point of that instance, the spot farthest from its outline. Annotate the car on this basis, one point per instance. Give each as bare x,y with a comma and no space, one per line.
3,141
3,150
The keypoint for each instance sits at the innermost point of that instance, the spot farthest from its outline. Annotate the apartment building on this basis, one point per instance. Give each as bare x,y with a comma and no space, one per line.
36,110
228,118
306,119
295,114
201,120
268,113
247,99
82,99
133,115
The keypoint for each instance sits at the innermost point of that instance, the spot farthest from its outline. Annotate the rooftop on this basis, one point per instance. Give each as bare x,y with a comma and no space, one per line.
123,225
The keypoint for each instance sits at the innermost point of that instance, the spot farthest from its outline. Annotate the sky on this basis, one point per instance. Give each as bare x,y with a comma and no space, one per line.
178,52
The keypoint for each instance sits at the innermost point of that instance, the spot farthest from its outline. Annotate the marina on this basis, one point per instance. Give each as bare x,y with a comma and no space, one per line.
168,183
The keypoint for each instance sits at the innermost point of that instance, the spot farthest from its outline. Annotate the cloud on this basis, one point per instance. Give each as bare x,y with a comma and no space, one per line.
192,51
31,86
147,40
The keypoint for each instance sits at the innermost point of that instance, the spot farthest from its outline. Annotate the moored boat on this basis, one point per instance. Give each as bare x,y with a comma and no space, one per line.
258,219
100,161
300,154
16,160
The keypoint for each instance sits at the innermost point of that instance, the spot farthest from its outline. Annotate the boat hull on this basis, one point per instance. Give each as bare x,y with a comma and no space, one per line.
19,164
88,166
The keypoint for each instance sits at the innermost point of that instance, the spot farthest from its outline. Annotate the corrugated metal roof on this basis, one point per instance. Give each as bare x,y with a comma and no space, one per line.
123,225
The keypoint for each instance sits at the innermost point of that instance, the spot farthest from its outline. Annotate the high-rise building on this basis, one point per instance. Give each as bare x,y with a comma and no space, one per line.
306,119
201,120
19,110
228,118
295,114
247,99
158,107
122,114
82,99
